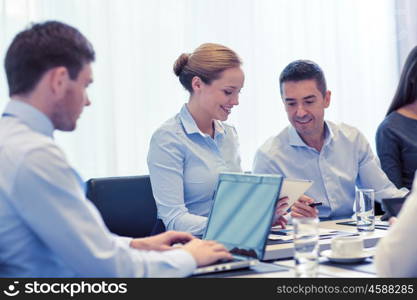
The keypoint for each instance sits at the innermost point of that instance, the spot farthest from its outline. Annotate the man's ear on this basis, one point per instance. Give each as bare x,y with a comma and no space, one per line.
327,99
196,83
59,80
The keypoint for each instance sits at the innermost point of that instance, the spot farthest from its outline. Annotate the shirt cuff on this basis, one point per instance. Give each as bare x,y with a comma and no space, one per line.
185,259
124,241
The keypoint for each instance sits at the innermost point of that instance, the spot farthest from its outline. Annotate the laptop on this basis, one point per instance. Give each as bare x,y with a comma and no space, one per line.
241,218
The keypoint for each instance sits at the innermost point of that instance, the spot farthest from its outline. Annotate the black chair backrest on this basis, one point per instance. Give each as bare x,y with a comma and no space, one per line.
126,204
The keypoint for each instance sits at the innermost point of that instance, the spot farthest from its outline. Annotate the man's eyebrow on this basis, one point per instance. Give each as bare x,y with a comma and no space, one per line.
309,97
289,99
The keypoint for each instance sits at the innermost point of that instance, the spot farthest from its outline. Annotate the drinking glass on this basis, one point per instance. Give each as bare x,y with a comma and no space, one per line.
306,246
364,210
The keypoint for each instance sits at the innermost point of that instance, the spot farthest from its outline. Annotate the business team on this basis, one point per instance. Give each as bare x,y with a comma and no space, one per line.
43,210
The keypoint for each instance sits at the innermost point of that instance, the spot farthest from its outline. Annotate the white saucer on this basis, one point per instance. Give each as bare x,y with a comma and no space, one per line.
347,260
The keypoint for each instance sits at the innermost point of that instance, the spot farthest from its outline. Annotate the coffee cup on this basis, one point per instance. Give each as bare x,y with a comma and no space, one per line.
347,246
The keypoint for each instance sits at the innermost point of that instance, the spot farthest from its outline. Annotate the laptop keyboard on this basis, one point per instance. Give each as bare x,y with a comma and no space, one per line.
223,260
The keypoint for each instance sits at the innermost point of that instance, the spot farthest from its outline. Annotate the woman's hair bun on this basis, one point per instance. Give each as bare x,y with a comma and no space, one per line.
180,63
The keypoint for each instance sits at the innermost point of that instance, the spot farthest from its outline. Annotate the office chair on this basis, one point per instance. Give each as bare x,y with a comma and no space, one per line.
126,204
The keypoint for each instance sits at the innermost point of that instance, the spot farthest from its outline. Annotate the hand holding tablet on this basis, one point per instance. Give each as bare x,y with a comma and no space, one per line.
294,189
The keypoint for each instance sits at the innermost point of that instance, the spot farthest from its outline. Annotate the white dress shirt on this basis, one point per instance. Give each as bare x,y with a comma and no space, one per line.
346,161
48,228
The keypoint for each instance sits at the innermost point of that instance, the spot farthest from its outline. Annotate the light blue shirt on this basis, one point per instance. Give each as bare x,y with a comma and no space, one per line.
346,161
47,226
184,165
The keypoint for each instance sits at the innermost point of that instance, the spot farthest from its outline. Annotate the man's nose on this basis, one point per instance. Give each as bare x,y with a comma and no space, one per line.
301,112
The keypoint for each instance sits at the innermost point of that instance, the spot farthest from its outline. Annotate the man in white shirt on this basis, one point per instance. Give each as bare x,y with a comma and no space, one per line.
47,226
337,157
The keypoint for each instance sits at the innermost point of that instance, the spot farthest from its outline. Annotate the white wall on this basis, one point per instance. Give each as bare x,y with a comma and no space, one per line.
137,42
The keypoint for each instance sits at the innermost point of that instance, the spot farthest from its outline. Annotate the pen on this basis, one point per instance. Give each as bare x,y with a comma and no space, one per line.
314,204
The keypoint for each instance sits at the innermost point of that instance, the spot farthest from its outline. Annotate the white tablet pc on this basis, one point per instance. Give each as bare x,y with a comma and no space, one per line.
294,189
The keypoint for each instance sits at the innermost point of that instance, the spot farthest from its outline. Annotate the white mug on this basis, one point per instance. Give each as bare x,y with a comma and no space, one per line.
347,246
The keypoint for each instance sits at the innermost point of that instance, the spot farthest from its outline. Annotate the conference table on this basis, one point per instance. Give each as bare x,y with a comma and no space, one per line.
280,256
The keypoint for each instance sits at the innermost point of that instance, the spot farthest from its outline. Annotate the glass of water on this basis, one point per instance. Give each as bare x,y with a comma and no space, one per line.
364,210
306,246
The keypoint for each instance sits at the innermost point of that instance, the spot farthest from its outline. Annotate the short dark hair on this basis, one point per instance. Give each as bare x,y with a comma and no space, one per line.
42,47
406,92
303,70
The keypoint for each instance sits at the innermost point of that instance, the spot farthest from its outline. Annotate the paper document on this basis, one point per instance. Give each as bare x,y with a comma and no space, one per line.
287,235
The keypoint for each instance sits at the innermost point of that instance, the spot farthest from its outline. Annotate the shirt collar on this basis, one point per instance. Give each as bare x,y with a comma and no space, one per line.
219,128
191,127
296,140
31,116
329,133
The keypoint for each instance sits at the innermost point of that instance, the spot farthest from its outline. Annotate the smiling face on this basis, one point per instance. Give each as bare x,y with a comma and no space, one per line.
217,99
305,106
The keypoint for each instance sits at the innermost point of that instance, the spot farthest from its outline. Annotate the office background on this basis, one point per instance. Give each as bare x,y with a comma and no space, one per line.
360,45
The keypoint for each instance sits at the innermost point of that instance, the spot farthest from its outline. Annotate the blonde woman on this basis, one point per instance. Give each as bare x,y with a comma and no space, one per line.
189,150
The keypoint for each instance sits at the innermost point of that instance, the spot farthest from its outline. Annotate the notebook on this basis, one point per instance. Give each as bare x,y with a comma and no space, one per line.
241,217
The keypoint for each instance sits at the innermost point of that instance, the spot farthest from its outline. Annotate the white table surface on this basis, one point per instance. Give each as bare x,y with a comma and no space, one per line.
324,271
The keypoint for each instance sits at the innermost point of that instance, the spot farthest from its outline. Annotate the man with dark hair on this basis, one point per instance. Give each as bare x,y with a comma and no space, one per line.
336,157
47,226
304,70
41,48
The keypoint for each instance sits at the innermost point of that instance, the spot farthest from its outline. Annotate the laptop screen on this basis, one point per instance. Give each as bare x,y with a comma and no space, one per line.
242,212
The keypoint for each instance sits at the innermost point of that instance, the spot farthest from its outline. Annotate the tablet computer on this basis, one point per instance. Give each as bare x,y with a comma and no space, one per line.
294,189
393,205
